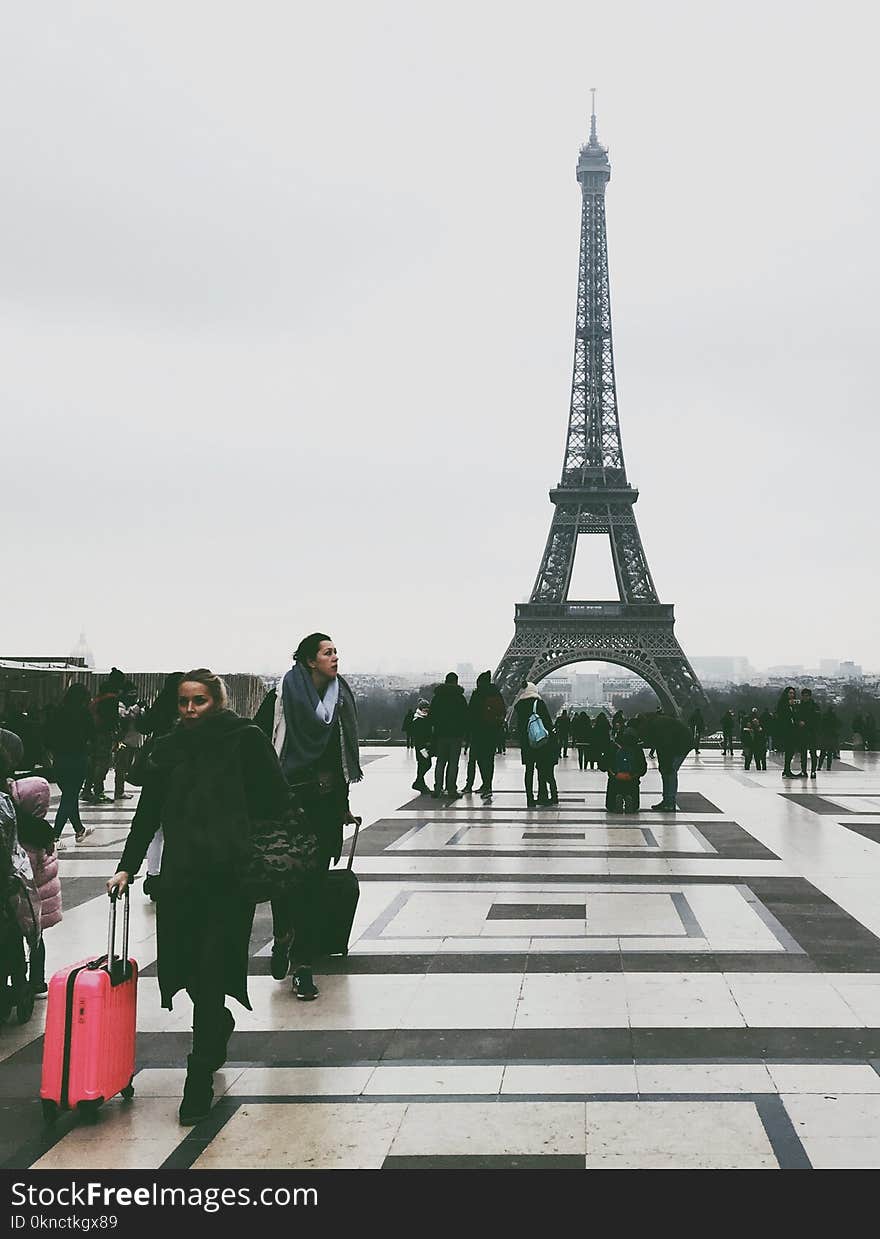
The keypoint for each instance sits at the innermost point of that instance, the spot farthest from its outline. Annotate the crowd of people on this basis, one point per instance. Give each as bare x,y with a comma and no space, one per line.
211,780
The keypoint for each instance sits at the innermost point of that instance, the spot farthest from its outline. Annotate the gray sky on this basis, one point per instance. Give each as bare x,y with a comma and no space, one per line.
286,320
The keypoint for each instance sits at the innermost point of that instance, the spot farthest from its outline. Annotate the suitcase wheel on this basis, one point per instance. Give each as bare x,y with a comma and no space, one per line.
50,1111
128,1091
24,1008
88,1110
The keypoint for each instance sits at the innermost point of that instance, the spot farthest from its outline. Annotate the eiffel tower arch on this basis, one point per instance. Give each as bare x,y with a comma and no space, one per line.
594,496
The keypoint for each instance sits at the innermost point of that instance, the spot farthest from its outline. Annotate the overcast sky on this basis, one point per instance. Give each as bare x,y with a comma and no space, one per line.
286,315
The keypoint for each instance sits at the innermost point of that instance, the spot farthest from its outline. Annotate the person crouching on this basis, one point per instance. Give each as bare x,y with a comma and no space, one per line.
626,765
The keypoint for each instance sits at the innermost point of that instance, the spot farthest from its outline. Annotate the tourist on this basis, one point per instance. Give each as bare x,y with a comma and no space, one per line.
69,734
420,730
808,714
626,765
696,722
486,712
105,711
537,758
204,782
406,728
563,727
31,797
754,741
316,737
828,736
448,713
131,739
767,724
728,727
673,741
785,728
618,722
600,740
582,736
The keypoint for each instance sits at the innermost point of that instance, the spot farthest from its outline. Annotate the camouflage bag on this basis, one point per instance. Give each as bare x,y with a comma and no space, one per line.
281,855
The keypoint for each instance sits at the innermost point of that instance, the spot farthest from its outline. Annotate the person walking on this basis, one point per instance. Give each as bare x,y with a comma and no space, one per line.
563,730
808,715
829,736
582,736
536,757
316,738
130,741
105,711
448,713
420,730
486,713
767,724
785,728
205,783
698,725
673,740
69,735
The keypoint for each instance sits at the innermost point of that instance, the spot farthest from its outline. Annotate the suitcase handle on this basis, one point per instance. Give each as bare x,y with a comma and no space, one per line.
354,839
118,966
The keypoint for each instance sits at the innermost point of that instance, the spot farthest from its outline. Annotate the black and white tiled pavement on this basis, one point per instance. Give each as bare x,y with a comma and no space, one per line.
544,988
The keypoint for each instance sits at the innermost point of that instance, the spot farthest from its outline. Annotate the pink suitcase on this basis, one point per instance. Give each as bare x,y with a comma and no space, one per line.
89,1044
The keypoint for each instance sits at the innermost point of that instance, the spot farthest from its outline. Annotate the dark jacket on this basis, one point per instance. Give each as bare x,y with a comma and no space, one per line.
829,729
448,712
808,716
70,731
754,738
547,754
582,728
486,711
628,742
206,786
728,724
668,736
785,723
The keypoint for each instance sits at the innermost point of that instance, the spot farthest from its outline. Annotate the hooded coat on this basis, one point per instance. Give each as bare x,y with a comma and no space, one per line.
205,785
449,712
31,798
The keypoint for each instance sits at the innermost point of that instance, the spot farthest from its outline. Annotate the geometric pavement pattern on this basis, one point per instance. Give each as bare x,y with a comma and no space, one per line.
527,989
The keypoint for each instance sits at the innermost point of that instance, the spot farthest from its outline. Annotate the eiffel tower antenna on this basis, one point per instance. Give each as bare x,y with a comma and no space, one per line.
594,496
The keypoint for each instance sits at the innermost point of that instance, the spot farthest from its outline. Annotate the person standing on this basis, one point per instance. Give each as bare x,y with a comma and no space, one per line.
486,712
420,730
205,783
785,728
448,713
582,735
105,711
131,739
536,758
563,728
728,727
69,735
316,738
808,714
31,797
626,766
754,741
672,740
829,736
600,741
767,724
406,728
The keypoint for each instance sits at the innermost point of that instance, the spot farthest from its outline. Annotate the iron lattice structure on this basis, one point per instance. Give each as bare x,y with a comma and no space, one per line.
595,497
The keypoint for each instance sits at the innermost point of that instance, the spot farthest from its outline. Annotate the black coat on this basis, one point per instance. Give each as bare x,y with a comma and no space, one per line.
668,736
206,786
808,717
448,712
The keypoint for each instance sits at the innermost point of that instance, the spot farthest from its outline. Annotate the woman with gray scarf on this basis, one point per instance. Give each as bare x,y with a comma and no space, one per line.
316,739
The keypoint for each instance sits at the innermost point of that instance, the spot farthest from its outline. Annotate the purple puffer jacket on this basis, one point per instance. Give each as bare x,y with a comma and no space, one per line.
33,796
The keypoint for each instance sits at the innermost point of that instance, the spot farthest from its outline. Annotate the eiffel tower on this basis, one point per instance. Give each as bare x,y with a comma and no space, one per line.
594,497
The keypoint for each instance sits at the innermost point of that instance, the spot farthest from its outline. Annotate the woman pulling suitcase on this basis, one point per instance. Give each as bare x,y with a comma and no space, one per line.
204,782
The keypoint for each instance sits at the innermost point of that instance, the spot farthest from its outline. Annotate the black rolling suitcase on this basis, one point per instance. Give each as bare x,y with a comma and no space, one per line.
341,893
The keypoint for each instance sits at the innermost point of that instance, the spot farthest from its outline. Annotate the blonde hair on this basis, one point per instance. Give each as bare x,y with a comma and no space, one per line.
212,682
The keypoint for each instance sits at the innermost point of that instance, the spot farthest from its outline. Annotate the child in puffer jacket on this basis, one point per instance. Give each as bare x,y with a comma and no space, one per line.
31,797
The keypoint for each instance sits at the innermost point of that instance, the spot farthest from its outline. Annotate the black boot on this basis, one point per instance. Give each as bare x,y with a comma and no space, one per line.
280,960
217,1057
198,1092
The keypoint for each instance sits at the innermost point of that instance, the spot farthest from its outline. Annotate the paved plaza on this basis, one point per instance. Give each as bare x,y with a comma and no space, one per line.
528,989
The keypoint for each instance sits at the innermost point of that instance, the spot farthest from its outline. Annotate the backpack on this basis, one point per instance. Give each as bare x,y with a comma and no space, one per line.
625,765
536,731
492,710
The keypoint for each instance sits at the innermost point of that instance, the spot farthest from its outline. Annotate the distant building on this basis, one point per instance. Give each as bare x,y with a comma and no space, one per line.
723,669
467,676
786,669
556,686
829,668
850,671
82,651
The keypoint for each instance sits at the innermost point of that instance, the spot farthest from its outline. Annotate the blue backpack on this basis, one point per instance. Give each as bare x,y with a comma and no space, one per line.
625,764
536,731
